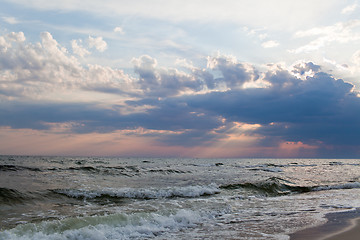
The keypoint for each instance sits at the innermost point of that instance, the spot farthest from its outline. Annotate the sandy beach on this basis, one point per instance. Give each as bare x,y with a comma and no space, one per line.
344,226
350,233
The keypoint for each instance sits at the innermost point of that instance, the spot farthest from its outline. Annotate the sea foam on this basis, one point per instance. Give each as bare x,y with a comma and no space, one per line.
116,226
143,193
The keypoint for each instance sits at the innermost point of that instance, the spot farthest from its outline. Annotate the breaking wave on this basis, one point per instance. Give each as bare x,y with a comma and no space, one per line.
115,226
142,193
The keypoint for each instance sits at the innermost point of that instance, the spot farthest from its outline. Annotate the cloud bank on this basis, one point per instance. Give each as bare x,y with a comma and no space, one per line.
45,87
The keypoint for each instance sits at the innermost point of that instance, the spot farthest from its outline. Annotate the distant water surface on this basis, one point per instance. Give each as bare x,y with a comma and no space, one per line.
149,198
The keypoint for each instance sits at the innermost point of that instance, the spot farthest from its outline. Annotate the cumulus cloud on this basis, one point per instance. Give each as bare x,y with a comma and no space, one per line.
37,70
98,43
16,37
195,106
4,45
78,48
161,82
302,105
305,69
317,111
234,73
7,40
291,109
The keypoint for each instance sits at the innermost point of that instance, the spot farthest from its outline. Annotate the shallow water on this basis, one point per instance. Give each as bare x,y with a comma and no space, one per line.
148,198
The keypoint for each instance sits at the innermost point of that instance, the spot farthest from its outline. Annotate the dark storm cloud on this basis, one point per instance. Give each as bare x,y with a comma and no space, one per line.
320,108
303,104
288,100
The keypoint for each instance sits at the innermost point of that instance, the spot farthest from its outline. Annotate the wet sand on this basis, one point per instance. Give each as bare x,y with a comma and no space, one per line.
350,233
340,226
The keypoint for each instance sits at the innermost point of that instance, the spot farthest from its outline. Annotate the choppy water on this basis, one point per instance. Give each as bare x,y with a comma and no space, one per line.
147,198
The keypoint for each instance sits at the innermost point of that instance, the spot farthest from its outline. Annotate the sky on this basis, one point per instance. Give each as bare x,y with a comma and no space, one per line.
190,78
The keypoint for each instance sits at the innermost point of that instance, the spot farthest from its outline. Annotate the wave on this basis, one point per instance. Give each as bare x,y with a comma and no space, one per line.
349,185
275,186
125,170
167,171
122,170
85,168
14,168
11,196
128,171
115,226
270,187
267,169
142,193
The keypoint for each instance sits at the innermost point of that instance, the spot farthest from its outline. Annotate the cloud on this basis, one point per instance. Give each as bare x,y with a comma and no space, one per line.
46,69
349,9
4,45
161,82
78,49
226,100
11,20
234,74
119,30
342,32
313,110
262,35
305,69
270,44
98,43
29,69
16,37
7,40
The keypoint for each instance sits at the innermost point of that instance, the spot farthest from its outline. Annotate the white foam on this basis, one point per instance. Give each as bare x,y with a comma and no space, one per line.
117,226
143,193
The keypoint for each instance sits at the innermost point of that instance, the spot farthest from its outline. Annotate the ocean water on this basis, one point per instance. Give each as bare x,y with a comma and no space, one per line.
162,198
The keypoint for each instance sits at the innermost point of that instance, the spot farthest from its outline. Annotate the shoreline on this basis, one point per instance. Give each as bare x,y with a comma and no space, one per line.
340,225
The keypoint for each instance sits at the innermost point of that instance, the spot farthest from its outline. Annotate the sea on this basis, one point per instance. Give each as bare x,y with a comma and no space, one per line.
98,198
